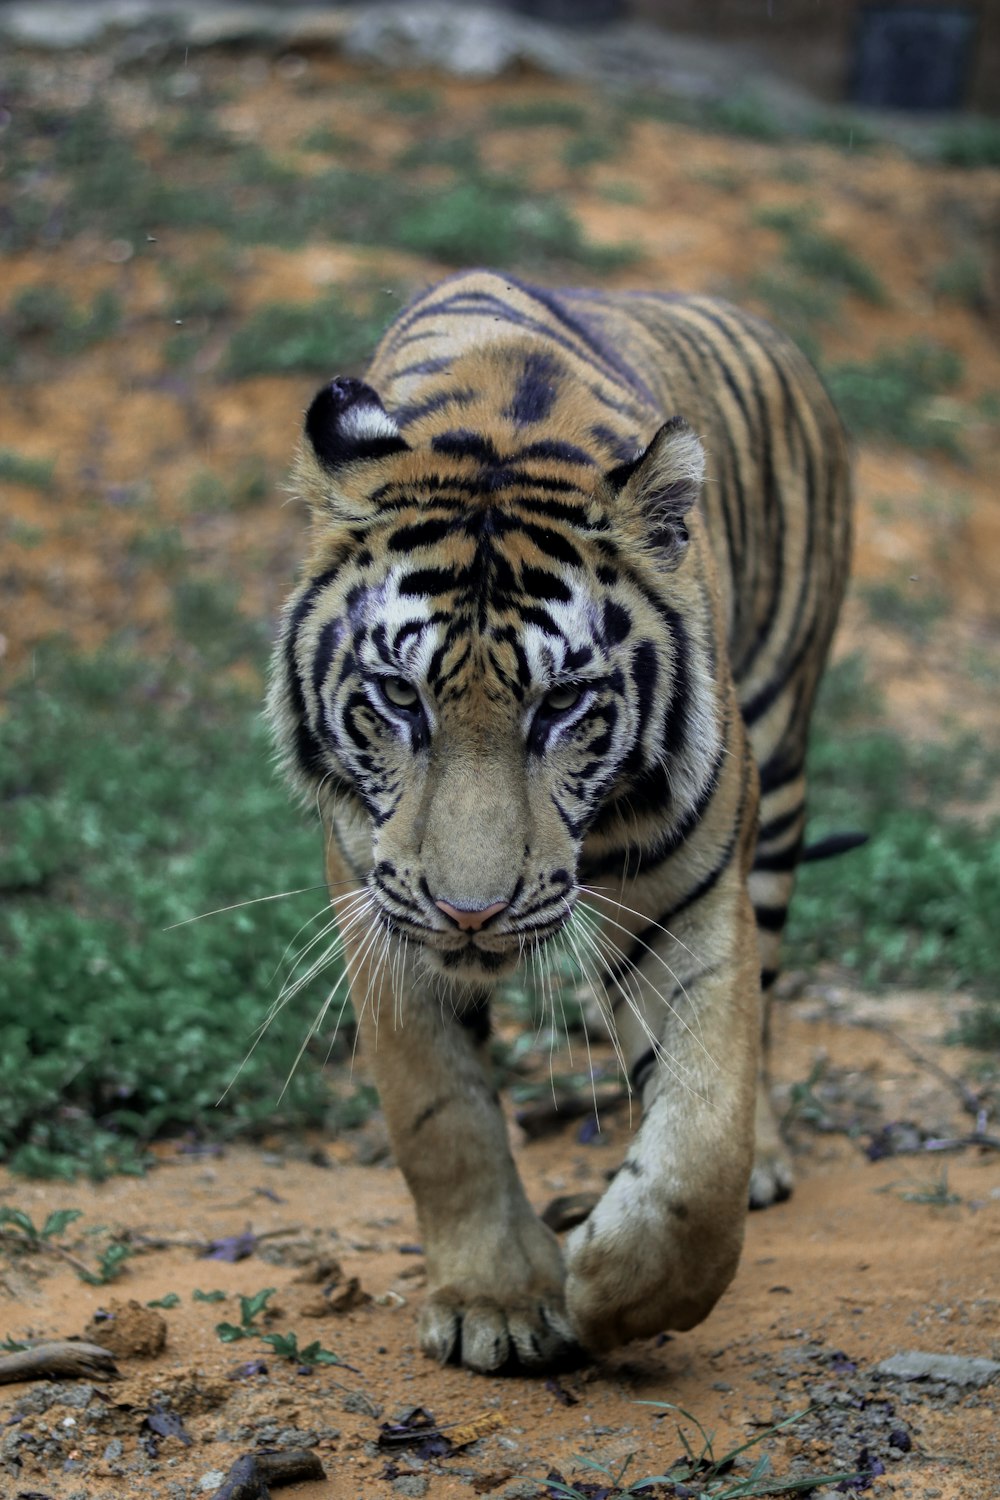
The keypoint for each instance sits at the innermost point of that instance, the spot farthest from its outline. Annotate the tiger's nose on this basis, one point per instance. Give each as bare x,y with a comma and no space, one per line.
471,921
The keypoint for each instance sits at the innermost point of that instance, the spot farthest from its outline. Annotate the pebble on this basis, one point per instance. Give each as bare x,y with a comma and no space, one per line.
955,1369
211,1480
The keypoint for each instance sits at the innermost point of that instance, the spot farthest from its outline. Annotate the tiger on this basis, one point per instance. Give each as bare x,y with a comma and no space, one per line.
575,561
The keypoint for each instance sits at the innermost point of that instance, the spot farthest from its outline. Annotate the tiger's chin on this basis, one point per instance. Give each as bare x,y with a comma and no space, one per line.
471,964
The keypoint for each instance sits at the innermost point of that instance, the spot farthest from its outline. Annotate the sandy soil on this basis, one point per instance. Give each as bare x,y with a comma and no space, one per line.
869,1257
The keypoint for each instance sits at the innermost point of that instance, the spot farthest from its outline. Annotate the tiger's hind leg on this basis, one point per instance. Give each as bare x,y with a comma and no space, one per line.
771,880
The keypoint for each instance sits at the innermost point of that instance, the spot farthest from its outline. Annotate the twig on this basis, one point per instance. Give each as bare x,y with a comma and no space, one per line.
23,1240
971,1102
159,1242
252,1476
63,1357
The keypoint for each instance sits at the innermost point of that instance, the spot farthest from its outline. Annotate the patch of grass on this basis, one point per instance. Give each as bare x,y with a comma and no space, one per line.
963,279
906,604
745,114
820,256
969,143
413,102
796,304
891,395
459,152
17,468
200,289
45,317
917,903
331,336
844,131
135,796
591,146
333,142
537,112
492,221
701,1466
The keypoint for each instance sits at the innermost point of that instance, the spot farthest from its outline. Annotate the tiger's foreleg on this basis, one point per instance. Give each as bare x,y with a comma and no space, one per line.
494,1271
664,1241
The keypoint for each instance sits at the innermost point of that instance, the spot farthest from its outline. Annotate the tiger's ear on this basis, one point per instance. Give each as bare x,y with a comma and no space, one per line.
347,423
661,485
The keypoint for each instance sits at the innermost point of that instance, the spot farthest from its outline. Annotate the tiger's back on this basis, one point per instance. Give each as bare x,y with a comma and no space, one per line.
576,561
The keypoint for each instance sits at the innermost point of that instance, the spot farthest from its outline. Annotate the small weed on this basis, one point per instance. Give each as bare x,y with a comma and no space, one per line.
33,473
459,152
891,395
537,112
207,616
802,1101
171,1299
849,133
54,1225
796,304
971,143
490,221
109,1267
907,605
250,1310
621,192
745,114
819,256
412,102
332,142
699,1467
286,1346
162,547
201,289
963,279
935,1193
331,336
723,179
199,1296
590,146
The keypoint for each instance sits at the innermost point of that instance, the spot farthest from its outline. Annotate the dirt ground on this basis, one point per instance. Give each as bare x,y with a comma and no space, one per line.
870,1257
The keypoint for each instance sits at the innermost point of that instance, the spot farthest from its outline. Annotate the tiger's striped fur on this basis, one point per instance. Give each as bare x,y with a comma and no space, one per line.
526,673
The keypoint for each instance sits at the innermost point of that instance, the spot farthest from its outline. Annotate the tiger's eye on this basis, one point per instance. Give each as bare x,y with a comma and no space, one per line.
561,699
399,692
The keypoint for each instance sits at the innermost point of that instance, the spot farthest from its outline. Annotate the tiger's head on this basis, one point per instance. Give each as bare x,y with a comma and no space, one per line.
497,644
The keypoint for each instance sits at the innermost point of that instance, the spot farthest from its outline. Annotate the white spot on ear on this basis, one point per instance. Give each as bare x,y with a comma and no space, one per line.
366,423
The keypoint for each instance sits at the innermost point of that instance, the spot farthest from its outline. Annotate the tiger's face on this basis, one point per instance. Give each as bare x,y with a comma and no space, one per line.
473,671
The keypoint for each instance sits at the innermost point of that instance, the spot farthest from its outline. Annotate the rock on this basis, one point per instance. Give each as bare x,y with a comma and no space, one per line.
469,41
128,1329
953,1369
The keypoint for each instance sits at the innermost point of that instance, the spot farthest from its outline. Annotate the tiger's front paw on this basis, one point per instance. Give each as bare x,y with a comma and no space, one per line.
488,1335
630,1278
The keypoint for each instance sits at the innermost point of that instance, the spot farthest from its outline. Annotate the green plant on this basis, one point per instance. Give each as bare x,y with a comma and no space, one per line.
250,1310
331,336
916,903
907,604
820,256
33,473
970,143
110,1265
54,1225
136,794
169,1300
701,1467
891,395
286,1346
963,279
539,112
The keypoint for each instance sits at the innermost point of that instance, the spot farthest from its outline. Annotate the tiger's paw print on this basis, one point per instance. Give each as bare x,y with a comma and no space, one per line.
485,1334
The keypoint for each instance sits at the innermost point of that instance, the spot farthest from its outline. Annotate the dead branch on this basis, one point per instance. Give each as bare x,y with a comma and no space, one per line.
61,1359
252,1476
971,1101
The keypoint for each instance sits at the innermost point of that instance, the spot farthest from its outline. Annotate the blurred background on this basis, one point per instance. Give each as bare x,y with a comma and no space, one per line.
206,211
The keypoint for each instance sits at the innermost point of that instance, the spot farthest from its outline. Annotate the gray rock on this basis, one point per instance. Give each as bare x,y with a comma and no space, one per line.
410,1484
953,1369
470,41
